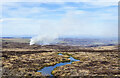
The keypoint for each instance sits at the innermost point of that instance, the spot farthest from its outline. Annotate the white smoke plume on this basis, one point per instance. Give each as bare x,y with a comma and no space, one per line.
44,39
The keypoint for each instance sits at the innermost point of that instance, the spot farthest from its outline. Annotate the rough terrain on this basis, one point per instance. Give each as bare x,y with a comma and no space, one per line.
22,59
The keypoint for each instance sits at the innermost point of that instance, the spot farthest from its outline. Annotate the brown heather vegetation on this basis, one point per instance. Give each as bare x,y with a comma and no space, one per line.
21,59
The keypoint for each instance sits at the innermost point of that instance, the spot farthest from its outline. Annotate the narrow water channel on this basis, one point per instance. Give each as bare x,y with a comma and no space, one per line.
47,70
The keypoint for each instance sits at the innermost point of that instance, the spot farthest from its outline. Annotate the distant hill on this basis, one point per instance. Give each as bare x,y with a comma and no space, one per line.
87,42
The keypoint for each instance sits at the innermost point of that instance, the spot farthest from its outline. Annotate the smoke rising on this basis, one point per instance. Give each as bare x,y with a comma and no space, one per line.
44,39
76,23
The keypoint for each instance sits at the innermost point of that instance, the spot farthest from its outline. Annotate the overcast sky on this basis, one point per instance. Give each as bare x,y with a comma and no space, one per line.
62,18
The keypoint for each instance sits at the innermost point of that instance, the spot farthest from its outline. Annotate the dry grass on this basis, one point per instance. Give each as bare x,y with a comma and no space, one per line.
19,40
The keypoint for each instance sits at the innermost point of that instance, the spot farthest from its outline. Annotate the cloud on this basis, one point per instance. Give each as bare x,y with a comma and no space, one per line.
89,23
61,1
67,19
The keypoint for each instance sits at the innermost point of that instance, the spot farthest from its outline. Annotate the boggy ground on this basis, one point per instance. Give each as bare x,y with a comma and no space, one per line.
29,64
90,64
21,59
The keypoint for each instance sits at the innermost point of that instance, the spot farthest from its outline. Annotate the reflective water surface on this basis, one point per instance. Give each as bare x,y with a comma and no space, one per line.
47,70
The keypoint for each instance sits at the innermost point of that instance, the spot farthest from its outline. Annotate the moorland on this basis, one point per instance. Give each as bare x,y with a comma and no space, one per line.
21,59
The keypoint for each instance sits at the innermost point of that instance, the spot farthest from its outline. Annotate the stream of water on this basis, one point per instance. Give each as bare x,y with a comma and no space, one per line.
46,71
